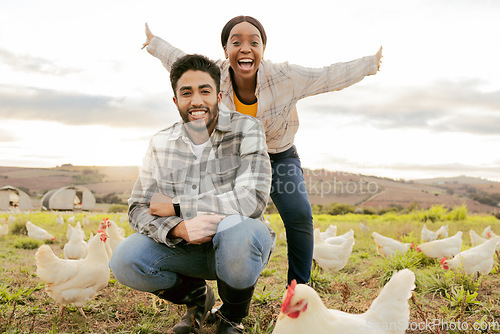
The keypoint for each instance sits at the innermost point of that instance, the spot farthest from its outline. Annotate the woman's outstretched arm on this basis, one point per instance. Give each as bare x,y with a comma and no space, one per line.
161,49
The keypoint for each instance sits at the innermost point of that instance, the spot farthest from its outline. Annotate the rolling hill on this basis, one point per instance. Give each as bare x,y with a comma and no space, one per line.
323,186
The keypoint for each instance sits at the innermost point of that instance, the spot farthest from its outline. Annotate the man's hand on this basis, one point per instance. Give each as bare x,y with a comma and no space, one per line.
198,230
161,205
379,58
149,37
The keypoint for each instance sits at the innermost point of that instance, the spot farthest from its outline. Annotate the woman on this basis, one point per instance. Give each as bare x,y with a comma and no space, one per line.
269,92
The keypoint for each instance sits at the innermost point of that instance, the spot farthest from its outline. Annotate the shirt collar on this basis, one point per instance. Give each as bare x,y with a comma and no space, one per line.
226,84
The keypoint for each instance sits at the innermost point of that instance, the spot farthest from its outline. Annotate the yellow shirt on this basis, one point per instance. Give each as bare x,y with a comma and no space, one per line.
247,109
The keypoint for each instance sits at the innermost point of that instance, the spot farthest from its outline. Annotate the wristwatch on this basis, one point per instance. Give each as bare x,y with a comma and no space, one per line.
177,206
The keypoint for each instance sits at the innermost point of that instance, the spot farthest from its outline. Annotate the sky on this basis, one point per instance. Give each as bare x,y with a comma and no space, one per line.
75,86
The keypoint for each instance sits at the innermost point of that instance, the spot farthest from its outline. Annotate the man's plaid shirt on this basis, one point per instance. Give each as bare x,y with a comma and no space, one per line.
233,175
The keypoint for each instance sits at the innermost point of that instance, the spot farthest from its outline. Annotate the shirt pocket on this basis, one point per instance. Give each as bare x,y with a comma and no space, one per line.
172,184
223,172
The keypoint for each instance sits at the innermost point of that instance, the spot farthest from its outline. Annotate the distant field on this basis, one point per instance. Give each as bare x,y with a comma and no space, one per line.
323,186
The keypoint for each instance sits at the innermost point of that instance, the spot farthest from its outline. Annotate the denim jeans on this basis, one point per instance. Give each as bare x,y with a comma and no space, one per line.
237,254
289,195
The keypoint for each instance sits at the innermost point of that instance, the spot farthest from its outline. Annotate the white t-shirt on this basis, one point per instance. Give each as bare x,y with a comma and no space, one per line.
198,149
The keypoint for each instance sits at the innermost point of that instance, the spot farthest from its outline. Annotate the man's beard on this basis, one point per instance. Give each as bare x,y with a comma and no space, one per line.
197,126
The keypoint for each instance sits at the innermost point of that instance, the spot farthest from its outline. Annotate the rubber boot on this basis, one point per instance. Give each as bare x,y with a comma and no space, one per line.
198,298
235,307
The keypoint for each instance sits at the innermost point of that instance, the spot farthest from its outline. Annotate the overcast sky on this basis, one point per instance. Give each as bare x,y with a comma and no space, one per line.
75,86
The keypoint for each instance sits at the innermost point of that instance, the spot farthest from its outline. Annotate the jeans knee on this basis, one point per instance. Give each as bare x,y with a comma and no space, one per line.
120,264
241,232
242,249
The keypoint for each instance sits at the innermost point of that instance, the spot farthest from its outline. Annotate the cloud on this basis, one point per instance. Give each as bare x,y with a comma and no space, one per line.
444,106
30,64
7,137
72,108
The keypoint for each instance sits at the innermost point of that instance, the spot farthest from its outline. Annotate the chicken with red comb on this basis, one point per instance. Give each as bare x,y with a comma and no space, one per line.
479,259
302,311
74,281
286,305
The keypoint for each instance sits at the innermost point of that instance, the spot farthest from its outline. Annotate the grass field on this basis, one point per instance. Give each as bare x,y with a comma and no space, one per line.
461,304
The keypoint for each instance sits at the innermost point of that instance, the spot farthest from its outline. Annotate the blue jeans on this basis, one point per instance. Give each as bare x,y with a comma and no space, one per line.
289,195
237,254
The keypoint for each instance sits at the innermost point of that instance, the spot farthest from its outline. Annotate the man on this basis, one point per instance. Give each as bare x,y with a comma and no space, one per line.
197,205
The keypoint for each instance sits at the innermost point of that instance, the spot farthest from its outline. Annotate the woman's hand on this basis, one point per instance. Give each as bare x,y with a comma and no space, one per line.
149,37
379,58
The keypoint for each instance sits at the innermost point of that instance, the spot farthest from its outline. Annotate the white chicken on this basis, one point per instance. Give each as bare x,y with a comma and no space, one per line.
364,228
331,231
302,311
113,231
448,247
331,257
4,230
71,219
77,227
85,220
442,232
428,235
76,247
476,239
12,219
488,233
59,220
38,233
388,247
340,239
74,281
478,259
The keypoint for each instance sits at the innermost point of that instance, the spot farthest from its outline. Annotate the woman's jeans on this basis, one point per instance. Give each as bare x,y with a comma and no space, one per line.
289,195
237,254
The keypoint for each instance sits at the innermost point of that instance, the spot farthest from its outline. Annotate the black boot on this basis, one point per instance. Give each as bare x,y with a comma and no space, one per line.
236,306
198,298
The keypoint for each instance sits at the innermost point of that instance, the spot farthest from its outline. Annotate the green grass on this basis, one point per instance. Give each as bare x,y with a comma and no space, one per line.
439,294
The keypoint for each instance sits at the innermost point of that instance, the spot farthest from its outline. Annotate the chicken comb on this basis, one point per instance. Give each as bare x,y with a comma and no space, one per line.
290,291
104,235
445,266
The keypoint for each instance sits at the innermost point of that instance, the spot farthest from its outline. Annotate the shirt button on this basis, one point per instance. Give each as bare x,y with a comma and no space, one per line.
193,186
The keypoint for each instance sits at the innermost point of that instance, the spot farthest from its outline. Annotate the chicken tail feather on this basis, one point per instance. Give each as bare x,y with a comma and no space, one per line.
390,309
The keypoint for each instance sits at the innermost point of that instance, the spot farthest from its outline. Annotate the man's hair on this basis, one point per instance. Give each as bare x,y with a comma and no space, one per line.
224,36
194,62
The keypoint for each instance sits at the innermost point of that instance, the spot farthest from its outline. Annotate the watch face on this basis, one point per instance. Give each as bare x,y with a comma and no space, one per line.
175,200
